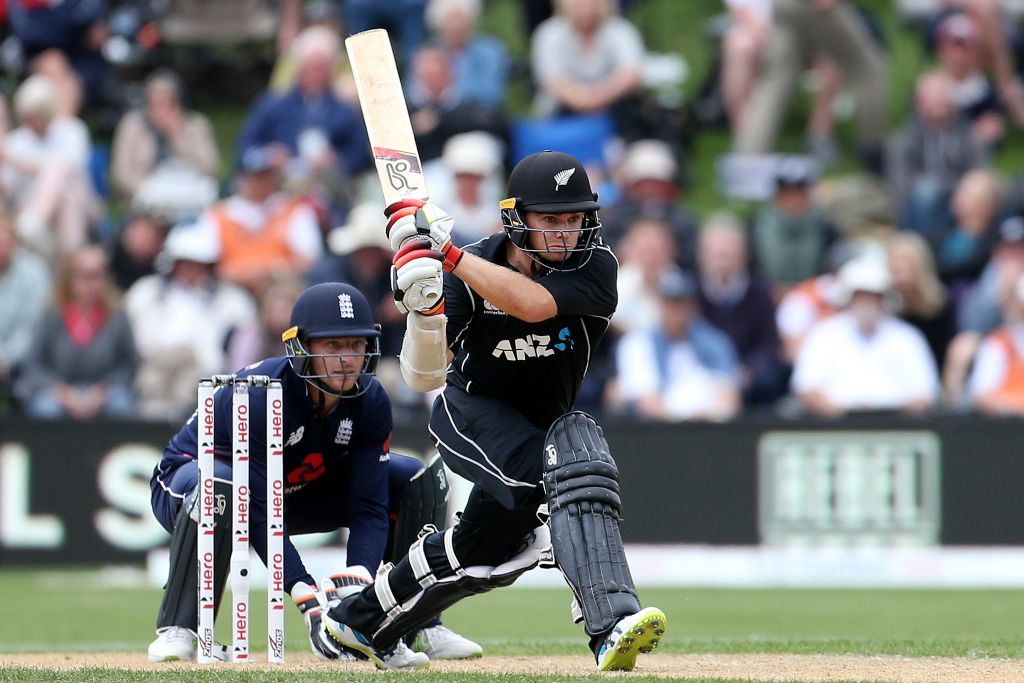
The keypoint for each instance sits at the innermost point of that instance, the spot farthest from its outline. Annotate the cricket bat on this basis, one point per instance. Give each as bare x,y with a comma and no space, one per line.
392,143
388,127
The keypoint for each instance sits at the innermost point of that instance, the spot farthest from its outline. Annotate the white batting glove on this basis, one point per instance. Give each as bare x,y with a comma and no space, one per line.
312,605
416,278
411,218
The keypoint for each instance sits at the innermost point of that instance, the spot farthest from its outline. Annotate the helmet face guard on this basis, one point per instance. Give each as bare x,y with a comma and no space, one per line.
551,183
519,234
302,363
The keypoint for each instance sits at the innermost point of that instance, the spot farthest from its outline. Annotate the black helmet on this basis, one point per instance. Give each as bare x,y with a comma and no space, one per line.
551,182
332,309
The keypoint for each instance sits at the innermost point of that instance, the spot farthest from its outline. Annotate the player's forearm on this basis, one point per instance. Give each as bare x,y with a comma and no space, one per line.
509,290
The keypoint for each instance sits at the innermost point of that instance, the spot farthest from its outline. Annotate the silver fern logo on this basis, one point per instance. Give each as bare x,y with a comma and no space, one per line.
562,177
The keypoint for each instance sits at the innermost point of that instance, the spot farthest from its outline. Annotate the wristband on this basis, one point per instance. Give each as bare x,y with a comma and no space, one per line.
452,256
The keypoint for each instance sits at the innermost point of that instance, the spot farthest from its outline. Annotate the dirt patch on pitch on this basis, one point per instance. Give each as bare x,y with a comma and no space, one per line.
753,667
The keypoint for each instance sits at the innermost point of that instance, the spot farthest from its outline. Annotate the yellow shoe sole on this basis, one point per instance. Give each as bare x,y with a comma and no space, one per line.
634,635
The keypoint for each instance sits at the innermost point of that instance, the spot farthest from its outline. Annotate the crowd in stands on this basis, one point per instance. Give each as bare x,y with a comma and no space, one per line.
895,286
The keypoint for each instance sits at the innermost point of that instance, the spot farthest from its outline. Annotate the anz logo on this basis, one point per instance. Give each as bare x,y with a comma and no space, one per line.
533,346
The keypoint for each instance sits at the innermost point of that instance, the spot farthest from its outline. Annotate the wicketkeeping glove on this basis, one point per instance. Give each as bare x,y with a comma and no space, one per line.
414,218
416,280
312,605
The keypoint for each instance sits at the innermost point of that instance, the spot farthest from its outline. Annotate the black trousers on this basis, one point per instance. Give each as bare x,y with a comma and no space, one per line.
500,451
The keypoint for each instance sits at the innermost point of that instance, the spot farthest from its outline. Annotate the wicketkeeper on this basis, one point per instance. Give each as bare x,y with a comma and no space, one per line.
338,473
522,313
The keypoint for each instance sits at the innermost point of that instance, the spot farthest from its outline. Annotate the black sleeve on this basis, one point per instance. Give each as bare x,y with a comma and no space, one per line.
459,305
590,290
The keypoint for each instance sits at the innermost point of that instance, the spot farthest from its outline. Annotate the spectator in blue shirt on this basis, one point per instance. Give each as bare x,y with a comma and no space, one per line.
324,135
479,62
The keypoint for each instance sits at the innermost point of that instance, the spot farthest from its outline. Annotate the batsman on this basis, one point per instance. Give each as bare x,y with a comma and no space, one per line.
510,341
339,472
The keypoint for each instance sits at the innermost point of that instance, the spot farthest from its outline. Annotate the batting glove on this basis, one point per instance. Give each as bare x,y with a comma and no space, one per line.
416,280
413,218
312,605
346,582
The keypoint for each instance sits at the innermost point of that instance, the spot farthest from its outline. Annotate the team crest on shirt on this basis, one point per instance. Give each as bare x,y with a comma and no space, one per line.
344,434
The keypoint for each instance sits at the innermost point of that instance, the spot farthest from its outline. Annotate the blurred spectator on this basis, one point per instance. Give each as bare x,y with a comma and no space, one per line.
743,47
136,247
928,157
980,308
739,302
649,176
791,235
864,358
183,318
46,173
965,247
742,50
438,111
24,295
961,55
76,28
645,254
587,59
921,299
162,132
83,358
468,181
403,18
479,62
684,369
810,302
260,229
54,65
319,16
323,135
996,384
252,343
801,31
359,253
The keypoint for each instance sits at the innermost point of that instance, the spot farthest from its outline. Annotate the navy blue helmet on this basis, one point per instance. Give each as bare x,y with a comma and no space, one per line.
332,310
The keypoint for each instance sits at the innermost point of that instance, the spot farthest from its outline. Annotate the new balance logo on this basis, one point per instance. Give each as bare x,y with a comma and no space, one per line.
562,177
295,437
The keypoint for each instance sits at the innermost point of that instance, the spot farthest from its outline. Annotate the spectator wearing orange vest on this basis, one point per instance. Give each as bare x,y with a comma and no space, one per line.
996,384
262,230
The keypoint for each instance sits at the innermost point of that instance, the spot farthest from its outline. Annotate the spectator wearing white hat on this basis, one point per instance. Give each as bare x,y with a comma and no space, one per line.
864,358
183,318
468,181
649,176
45,172
996,384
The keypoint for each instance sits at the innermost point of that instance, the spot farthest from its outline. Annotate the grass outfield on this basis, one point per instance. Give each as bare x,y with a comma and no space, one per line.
105,611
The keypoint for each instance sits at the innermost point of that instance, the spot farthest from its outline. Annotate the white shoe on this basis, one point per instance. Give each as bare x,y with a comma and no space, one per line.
440,642
638,633
399,657
173,644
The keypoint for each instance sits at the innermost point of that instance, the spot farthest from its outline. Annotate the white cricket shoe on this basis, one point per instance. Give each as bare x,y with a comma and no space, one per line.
440,642
173,644
635,634
400,657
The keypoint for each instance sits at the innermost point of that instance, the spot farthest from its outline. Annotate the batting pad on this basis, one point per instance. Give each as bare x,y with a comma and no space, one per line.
581,485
